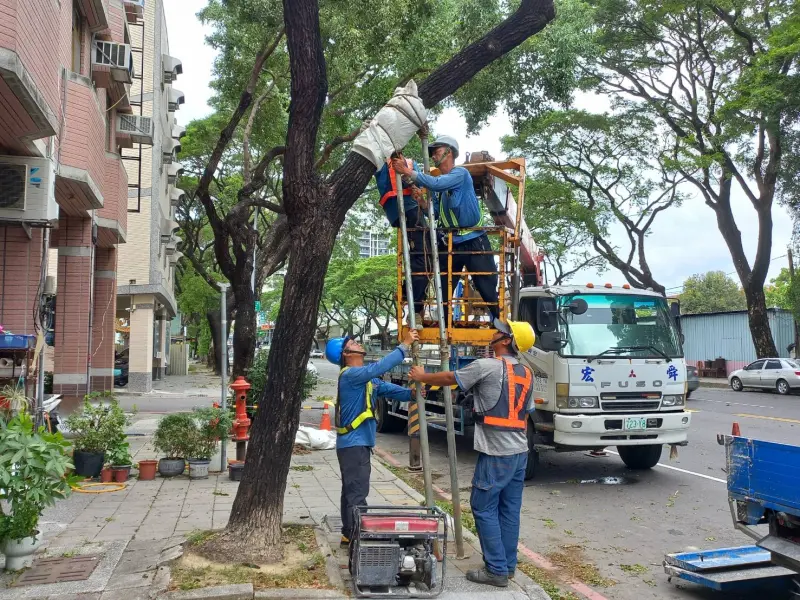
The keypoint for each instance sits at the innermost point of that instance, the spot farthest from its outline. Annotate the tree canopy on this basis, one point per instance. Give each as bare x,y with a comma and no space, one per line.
711,292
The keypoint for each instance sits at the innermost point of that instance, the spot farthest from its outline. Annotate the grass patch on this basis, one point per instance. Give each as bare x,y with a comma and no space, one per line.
218,493
195,538
549,523
467,518
310,575
575,565
634,569
546,581
302,468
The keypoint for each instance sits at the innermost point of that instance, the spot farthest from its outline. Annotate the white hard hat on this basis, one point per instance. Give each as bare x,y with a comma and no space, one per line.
444,140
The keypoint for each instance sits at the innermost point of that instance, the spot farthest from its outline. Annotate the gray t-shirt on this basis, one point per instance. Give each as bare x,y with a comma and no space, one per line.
485,378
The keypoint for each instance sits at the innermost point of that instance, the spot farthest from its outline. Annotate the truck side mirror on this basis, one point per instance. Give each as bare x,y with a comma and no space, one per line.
578,306
675,309
546,312
551,341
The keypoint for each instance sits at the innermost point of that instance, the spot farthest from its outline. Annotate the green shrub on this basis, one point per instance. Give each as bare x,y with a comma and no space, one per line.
98,427
214,424
257,376
175,435
33,473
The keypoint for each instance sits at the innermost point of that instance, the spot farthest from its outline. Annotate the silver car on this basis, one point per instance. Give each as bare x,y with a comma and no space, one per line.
780,374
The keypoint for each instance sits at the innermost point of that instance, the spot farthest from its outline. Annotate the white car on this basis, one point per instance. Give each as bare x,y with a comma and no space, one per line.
780,374
311,368
316,354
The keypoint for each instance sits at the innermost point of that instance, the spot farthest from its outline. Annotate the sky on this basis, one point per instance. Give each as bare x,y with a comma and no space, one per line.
684,240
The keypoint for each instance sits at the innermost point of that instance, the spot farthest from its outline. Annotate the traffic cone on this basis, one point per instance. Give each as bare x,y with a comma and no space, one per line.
325,422
736,431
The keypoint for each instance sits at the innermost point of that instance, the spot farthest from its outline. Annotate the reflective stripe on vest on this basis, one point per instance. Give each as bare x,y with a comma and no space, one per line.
363,416
453,222
393,181
509,412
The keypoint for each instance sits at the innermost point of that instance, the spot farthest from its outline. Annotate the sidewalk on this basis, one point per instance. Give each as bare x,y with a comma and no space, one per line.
138,531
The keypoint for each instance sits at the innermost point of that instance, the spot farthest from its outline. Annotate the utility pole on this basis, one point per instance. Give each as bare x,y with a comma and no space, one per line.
223,371
794,319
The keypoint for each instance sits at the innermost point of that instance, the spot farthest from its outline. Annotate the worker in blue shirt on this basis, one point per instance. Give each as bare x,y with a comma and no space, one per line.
357,389
386,180
456,208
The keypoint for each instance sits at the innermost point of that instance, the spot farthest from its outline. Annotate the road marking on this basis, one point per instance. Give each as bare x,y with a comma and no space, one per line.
735,403
781,419
693,410
717,479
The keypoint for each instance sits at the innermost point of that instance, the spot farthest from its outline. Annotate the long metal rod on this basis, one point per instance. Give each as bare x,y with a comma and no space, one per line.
39,419
444,352
412,322
223,287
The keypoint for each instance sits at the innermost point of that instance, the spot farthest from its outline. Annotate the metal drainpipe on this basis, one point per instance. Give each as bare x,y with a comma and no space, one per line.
93,243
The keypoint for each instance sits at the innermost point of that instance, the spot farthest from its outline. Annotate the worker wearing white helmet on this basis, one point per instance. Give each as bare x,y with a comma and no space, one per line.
502,390
456,208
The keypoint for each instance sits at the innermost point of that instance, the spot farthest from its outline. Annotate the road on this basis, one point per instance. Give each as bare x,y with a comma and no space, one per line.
596,509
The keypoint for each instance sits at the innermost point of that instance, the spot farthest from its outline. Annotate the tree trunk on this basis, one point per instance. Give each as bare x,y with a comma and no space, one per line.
244,334
258,507
759,322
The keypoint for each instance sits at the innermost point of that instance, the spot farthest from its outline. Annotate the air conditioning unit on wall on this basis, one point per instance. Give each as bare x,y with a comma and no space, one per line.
27,190
139,130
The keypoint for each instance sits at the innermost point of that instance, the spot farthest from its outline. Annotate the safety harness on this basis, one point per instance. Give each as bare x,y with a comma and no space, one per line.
393,181
510,410
365,415
452,222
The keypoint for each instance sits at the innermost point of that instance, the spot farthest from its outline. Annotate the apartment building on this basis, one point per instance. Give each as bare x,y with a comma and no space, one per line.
67,114
373,243
145,282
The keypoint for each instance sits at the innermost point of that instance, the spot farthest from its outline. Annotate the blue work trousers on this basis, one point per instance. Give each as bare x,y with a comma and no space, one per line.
496,502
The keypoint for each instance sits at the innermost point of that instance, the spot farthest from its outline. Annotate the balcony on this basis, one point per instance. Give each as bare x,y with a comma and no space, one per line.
82,163
96,13
112,219
29,89
112,69
134,10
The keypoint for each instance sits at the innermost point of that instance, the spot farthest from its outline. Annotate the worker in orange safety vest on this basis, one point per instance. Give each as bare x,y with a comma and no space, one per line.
502,391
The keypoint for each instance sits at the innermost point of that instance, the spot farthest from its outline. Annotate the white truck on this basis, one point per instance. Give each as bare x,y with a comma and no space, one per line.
608,371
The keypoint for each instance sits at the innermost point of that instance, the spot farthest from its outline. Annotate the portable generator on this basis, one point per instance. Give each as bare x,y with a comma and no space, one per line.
393,551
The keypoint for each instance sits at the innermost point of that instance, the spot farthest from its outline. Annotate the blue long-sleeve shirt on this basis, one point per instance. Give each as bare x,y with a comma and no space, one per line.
352,395
453,195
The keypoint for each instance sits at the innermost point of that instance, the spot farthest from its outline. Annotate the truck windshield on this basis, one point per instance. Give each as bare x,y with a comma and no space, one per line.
624,321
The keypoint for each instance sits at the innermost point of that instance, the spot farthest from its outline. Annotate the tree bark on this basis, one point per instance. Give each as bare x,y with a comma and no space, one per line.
315,211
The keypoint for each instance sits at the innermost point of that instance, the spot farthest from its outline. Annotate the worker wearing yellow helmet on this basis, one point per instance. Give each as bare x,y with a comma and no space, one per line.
502,390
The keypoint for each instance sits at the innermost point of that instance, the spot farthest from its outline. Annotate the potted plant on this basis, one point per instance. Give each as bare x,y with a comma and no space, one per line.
174,438
106,474
12,401
119,457
34,477
95,428
214,424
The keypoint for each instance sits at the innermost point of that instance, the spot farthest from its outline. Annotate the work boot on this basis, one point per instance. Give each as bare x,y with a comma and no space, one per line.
485,577
345,541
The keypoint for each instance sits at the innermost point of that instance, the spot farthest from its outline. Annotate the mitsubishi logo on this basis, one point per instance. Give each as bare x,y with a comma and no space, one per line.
632,374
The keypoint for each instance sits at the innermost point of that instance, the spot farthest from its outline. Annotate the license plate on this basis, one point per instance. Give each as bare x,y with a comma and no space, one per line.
634,423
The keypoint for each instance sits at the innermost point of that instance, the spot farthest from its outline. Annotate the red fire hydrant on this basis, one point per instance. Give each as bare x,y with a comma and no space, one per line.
241,423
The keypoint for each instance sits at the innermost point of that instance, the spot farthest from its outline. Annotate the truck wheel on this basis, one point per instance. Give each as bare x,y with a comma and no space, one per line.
533,454
640,457
384,422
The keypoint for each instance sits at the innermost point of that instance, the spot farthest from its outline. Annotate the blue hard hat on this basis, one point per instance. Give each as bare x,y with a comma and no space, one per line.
333,349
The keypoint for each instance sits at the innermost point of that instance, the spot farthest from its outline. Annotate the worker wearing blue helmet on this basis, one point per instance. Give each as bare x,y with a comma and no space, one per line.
357,389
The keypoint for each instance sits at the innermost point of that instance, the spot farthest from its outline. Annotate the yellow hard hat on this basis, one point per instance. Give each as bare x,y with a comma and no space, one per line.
520,331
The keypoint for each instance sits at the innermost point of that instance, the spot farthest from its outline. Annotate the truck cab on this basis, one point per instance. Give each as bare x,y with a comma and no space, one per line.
608,371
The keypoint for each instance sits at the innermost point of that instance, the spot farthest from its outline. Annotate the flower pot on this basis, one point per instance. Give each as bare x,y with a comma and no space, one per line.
198,468
235,471
106,475
147,469
121,473
88,464
171,467
19,553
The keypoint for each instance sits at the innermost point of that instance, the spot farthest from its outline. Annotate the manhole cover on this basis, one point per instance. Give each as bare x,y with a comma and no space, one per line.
334,523
58,570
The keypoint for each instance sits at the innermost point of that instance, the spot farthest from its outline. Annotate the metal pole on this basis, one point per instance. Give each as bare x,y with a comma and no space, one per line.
444,355
39,414
255,247
223,288
794,320
412,323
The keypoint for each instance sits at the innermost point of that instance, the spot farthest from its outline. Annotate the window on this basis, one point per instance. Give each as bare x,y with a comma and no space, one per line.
793,364
774,364
77,38
755,366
